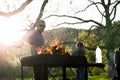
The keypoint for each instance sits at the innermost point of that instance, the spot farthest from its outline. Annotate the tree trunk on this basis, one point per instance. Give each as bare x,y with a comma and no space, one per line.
111,64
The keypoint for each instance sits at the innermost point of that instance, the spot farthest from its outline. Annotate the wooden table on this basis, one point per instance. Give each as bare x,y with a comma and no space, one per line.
57,61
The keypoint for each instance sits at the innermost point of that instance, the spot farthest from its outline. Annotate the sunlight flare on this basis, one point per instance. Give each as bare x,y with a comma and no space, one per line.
9,31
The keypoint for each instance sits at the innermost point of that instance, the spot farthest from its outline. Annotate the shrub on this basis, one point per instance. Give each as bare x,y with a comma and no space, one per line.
97,71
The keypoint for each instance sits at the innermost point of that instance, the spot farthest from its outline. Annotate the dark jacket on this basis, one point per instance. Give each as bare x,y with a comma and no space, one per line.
117,59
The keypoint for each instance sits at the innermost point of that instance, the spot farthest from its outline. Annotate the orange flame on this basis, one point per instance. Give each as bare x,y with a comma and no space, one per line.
55,48
40,49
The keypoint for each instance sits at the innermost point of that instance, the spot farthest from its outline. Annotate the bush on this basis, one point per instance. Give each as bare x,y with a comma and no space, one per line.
97,71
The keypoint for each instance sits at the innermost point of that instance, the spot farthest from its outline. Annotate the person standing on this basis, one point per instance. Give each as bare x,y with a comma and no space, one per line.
117,62
36,41
79,52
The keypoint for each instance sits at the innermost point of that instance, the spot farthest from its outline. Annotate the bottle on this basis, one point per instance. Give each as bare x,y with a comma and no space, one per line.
98,55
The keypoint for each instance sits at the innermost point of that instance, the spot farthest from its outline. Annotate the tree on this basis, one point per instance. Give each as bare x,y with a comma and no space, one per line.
107,9
22,7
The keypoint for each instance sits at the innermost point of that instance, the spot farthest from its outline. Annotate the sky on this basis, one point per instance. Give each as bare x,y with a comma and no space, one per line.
10,26
66,7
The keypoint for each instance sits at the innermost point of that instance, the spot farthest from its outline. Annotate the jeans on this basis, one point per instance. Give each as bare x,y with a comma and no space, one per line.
80,74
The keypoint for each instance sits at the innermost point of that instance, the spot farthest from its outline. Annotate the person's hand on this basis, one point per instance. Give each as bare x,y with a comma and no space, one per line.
40,49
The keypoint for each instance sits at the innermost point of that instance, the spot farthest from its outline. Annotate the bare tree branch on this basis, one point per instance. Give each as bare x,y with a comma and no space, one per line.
103,3
114,9
89,32
74,17
84,8
96,5
68,23
92,3
41,12
17,10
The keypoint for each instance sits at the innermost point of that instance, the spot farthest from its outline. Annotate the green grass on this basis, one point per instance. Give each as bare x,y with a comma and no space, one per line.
14,78
102,76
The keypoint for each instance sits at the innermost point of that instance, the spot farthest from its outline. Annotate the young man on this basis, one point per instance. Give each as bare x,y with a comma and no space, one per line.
35,37
36,41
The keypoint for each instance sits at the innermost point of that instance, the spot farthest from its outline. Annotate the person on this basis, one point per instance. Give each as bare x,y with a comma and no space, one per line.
36,41
79,52
117,62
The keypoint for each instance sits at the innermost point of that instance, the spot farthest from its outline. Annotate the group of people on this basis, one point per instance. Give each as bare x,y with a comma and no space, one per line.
36,41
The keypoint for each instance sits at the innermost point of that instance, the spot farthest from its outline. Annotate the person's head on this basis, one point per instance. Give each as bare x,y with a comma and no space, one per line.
79,45
40,26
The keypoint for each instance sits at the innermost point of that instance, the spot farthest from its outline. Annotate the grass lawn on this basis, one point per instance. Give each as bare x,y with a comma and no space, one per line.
103,76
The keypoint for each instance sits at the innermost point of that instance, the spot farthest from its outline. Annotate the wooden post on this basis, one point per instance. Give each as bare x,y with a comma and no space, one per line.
44,72
64,73
21,72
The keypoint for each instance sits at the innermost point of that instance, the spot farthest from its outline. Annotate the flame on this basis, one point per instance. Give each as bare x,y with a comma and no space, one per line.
40,49
55,48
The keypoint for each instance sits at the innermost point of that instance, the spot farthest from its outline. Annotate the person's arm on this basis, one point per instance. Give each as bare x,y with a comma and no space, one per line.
116,57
